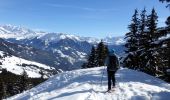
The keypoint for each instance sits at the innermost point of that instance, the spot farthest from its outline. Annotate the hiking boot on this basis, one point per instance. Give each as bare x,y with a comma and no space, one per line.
113,87
108,90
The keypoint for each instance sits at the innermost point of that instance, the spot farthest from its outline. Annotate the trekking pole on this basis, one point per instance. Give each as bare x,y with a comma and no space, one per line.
102,76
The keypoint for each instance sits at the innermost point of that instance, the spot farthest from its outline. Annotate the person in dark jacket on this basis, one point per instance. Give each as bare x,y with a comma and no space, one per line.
112,64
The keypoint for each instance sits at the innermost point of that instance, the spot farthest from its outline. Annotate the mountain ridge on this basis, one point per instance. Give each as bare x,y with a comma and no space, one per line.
25,33
67,52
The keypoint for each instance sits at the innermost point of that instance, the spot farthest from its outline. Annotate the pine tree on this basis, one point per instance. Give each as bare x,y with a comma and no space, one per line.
132,43
16,88
168,40
168,53
92,60
151,54
101,53
152,26
97,56
164,49
168,31
142,39
24,81
4,91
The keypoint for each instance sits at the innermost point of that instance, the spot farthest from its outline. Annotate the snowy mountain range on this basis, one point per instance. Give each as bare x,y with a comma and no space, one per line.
66,52
21,33
85,84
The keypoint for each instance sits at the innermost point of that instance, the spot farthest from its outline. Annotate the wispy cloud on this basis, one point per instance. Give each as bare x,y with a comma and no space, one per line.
81,8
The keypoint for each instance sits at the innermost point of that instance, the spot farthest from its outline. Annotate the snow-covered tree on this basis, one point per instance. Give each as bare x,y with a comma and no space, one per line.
152,26
168,41
132,43
151,53
142,38
142,48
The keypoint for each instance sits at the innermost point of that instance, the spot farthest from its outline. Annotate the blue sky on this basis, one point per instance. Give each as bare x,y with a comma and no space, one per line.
94,18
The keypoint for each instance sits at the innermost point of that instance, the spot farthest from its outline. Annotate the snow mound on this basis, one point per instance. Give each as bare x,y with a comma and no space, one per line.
85,84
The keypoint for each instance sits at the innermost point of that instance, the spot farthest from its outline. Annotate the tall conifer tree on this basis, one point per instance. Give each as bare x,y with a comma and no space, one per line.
101,53
92,60
142,39
132,43
151,54
24,81
4,91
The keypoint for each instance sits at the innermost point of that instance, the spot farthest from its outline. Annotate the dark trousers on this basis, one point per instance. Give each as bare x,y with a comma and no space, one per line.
111,77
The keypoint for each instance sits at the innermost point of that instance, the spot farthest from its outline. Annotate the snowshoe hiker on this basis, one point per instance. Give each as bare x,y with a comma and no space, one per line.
112,64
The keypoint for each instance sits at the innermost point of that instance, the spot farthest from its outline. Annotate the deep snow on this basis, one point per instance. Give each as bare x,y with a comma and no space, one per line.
85,84
14,64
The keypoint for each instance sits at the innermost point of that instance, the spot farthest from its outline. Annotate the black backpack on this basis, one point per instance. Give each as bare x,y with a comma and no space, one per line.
113,63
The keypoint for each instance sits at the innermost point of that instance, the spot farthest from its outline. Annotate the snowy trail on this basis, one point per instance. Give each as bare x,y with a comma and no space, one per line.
85,84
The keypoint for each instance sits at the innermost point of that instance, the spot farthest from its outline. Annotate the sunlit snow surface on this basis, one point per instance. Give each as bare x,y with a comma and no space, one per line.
85,84
13,64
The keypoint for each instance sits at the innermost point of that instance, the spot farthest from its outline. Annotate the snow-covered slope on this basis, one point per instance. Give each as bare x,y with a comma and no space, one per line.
17,65
29,53
85,84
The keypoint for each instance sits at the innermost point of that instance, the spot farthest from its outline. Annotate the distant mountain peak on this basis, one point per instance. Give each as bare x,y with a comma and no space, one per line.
18,32
15,29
